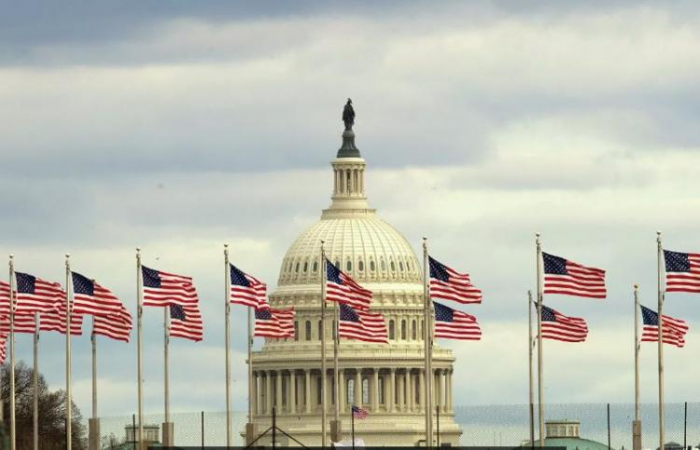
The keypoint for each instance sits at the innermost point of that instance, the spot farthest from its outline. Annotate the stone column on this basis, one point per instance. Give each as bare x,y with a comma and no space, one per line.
449,391
358,387
258,389
307,391
278,392
254,396
401,401
375,390
443,389
407,382
268,392
292,402
421,382
392,391
342,389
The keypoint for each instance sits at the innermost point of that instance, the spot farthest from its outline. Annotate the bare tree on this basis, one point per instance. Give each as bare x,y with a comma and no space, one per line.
52,412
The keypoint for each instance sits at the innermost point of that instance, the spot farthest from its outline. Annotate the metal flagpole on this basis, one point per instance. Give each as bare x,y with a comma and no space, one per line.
167,436
428,338
540,299
35,382
637,424
69,405
324,391
139,344
251,428
530,347
335,429
94,422
227,344
662,426
13,430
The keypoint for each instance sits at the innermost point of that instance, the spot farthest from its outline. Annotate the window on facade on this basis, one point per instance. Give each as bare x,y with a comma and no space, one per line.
308,330
351,392
296,330
371,265
318,390
361,266
306,266
365,391
403,330
414,331
348,266
296,269
392,331
416,390
315,266
284,390
401,266
337,264
334,329
393,266
383,265
380,390
320,330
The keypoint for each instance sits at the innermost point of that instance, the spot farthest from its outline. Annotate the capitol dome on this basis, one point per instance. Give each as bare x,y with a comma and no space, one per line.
387,380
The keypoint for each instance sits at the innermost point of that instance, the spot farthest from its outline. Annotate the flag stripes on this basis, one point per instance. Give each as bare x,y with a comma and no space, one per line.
161,289
36,295
448,284
453,324
562,276
247,290
361,325
674,329
558,327
274,323
186,322
91,298
116,326
343,289
682,272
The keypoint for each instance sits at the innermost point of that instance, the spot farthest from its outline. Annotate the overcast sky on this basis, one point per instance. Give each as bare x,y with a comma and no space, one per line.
179,126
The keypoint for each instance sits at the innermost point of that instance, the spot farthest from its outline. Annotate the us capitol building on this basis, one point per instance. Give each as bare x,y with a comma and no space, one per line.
386,380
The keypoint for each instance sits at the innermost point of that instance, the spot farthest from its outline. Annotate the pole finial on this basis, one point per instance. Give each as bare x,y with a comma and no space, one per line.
636,286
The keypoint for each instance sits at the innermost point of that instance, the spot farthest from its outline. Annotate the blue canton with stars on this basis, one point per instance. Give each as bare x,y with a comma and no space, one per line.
82,285
151,278
263,314
676,262
333,273
237,277
438,271
547,314
177,312
554,264
25,283
443,313
650,317
348,314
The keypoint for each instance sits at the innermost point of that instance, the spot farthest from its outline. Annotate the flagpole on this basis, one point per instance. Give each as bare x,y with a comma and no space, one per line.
69,406
35,382
530,344
662,427
139,344
13,430
540,298
94,422
324,399
636,425
167,438
336,387
427,337
227,344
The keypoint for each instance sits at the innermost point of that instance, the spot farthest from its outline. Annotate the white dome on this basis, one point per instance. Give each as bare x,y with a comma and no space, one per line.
364,246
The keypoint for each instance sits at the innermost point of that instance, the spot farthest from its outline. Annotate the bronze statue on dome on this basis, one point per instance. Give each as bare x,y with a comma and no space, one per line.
349,115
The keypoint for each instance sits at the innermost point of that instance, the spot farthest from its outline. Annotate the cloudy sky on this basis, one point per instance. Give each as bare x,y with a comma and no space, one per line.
179,126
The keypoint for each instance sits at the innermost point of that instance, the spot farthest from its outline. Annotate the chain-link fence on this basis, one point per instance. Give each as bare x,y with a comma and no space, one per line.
481,425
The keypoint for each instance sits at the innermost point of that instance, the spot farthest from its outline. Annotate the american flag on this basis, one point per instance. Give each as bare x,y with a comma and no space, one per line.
361,325
343,289
453,324
24,323
91,298
247,290
559,327
448,284
163,289
3,345
116,326
682,271
186,322
4,299
562,276
274,323
56,321
36,295
674,329
359,413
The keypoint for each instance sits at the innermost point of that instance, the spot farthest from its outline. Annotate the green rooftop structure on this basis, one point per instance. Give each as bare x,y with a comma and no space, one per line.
566,434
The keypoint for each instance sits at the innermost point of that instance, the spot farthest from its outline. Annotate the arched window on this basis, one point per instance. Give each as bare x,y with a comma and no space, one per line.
414,331
371,265
403,330
392,331
337,264
416,390
315,266
348,266
308,330
392,264
296,330
408,265
350,399
296,269
382,264
361,266
401,266
365,391
306,266
320,330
